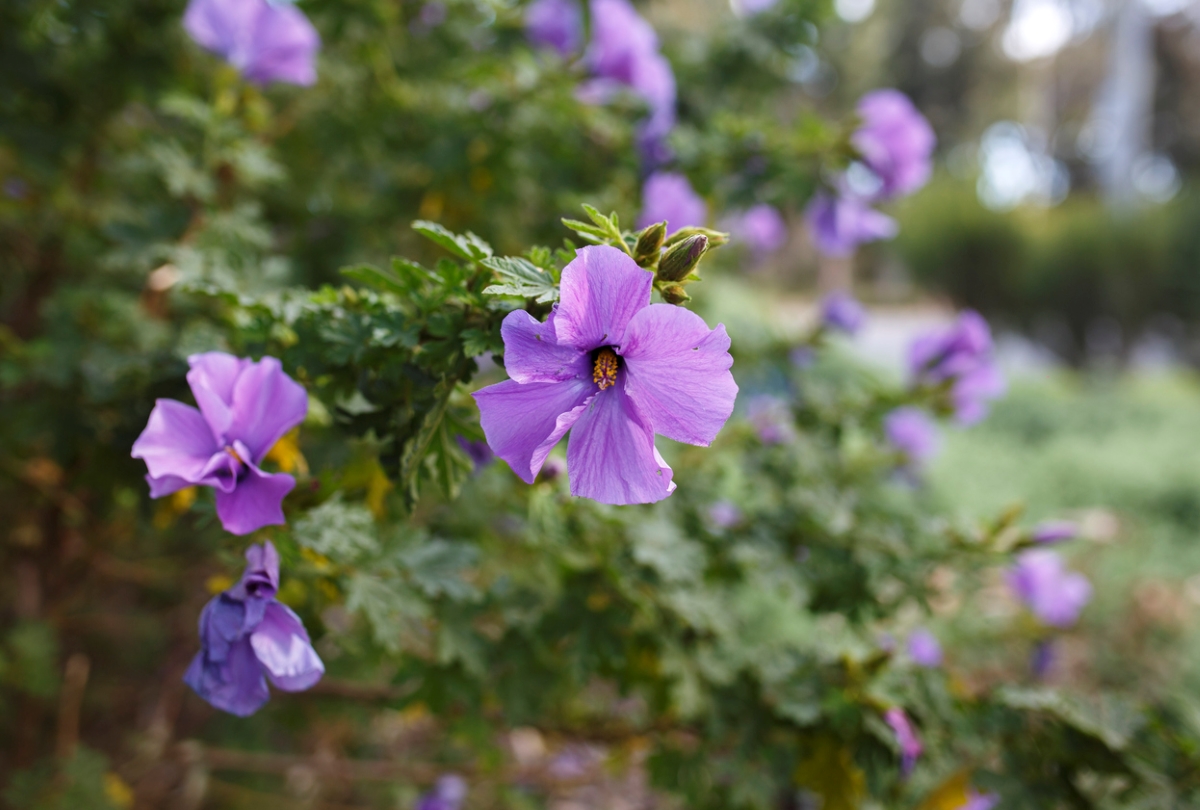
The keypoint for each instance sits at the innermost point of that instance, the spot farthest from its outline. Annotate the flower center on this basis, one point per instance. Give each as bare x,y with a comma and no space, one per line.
234,453
604,373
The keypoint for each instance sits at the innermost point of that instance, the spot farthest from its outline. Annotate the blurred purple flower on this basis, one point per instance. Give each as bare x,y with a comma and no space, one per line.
911,431
245,407
613,369
266,42
979,801
961,355
1054,594
448,794
895,141
924,648
840,311
669,197
840,224
428,18
748,8
772,419
1054,531
802,356
1042,658
556,24
480,454
248,637
724,514
906,736
761,227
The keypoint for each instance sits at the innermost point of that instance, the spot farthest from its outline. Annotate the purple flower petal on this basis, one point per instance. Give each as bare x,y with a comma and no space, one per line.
532,352
523,422
669,197
611,454
1054,531
762,228
906,737
225,672
841,311
1054,594
924,648
911,431
256,501
895,141
677,371
260,579
177,442
283,648
265,41
619,37
212,377
267,403
166,485
973,390
556,24
840,224
602,289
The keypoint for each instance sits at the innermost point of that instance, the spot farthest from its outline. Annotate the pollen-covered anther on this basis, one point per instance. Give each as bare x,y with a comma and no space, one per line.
605,372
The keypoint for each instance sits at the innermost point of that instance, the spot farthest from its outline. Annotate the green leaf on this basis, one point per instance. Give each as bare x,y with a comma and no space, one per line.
376,277
437,568
522,278
588,232
391,608
340,531
468,246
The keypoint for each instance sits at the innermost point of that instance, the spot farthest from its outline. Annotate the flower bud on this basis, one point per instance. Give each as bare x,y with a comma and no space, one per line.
675,294
715,238
681,259
649,243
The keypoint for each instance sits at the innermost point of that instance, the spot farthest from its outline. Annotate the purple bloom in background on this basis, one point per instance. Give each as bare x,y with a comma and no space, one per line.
906,736
448,794
911,431
842,312
266,42
556,24
669,197
961,355
613,369
1042,658
840,224
1054,531
762,228
1054,594
772,419
245,407
895,141
724,514
748,8
247,637
480,454
979,801
924,648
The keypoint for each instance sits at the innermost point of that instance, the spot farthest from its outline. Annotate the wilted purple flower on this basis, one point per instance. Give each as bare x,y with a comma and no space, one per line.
911,431
724,514
961,355
1054,594
245,407
556,24
924,648
842,312
266,42
669,197
480,454
1054,531
895,141
761,227
247,637
772,419
979,801
613,369
906,736
448,794
840,224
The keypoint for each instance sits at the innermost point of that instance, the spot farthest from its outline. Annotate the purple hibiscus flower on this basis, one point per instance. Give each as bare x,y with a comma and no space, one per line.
245,407
961,356
1054,594
979,801
1054,531
761,227
911,431
840,311
448,794
613,369
840,224
266,42
906,736
556,24
895,141
669,197
924,648
247,637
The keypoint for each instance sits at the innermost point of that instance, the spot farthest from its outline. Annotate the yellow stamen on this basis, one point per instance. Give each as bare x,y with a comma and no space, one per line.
605,372
233,453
